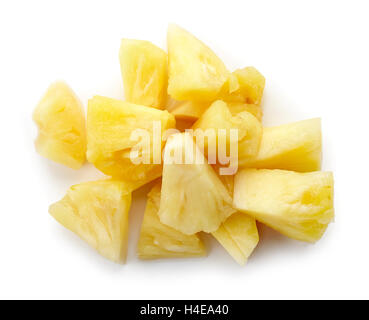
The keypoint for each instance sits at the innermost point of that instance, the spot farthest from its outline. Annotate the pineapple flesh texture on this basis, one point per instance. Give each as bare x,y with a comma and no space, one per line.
192,111
187,110
299,205
295,146
251,85
195,72
243,86
239,236
238,107
110,124
193,198
218,116
97,212
144,73
62,129
160,241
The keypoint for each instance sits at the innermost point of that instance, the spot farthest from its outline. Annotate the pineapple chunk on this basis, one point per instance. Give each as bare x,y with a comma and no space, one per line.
218,116
144,73
62,130
296,146
251,84
160,241
98,213
195,72
193,198
110,123
239,236
299,205
243,86
187,110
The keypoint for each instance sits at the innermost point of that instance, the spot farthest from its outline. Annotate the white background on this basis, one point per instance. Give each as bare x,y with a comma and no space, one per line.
314,55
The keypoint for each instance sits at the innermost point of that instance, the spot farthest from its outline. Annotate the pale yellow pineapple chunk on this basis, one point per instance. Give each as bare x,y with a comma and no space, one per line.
110,124
144,72
62,130
295,146
193,198
239,236
251,84
243,86
299,205
195,72
98,213
160,241
218,116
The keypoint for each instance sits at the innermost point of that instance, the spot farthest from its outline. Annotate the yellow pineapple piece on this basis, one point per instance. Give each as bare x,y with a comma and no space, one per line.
193,198
110,124
62,130
195,72
243,86
239,236
160,241
238,107
251,84
295,146
98,213
144,72
218,116
299,205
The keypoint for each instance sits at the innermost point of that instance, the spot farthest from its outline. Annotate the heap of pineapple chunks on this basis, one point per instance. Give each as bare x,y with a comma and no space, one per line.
278,181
